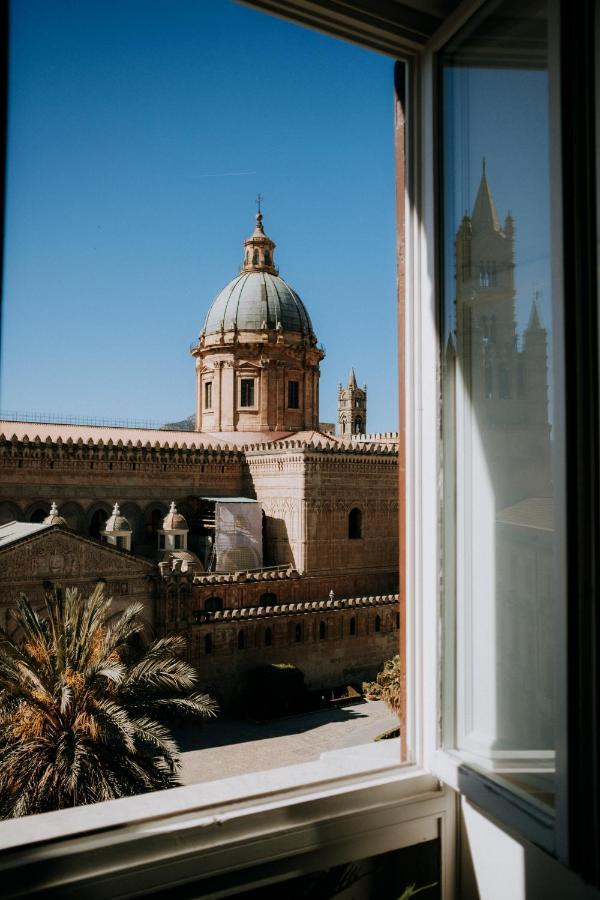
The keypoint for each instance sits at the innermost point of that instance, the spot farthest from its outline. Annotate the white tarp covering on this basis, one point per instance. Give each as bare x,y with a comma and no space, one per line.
238,535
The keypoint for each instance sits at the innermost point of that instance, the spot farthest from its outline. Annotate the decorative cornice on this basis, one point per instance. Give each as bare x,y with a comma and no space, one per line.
295,609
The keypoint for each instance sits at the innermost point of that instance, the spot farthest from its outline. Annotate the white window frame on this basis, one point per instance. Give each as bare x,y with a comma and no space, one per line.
349,804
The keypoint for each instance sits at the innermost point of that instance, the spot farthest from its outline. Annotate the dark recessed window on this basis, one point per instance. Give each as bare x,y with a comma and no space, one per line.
293,395
213,604
207,644
355,524
322,631
241,640
268,637
377,623
208,395
247,392
352,625
298,633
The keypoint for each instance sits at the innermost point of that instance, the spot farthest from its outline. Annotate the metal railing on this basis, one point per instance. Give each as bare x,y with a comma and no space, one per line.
18,415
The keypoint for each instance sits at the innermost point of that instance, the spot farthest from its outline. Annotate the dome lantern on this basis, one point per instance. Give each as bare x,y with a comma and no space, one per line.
117,531
259,250
53,517
174,532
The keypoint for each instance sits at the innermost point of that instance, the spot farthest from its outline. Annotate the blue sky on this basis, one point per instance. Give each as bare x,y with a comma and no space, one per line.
129,123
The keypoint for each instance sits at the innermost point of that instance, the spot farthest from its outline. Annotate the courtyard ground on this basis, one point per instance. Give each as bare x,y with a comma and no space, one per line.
223,748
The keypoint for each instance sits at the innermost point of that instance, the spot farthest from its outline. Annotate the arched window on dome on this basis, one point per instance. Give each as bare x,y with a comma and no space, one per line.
267,258
255,258
355,524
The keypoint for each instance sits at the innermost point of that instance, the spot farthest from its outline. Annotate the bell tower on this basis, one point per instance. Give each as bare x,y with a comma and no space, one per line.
352,408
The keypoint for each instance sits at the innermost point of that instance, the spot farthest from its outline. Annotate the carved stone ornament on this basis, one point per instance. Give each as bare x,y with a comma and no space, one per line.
57,555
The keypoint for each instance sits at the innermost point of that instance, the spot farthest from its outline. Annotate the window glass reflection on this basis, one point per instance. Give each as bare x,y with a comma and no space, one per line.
498,397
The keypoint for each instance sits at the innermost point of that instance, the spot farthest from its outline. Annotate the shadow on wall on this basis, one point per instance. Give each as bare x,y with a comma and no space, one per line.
277,550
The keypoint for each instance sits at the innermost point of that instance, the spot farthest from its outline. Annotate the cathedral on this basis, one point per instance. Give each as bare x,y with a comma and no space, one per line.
263,536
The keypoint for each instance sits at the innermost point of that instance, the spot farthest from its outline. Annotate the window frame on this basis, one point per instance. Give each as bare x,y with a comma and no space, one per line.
293,385
208,390
353,799
251,382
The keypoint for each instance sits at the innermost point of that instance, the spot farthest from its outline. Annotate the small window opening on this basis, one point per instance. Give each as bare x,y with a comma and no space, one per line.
322,631
298,633
247,392
352,626
377,623
268,637
208,395
241,640
208,644
293,395
355,524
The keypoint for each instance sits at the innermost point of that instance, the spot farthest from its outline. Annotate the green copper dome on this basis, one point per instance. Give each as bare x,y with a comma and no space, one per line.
256,300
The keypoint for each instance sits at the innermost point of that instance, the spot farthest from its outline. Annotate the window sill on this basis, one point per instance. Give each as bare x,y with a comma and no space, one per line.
457,770
349,804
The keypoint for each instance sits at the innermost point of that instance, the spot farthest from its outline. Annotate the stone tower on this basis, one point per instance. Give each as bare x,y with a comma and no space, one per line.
505,373
352,407
257,359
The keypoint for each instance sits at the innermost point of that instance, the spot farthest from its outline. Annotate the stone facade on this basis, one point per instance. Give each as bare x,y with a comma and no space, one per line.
56,556
329,504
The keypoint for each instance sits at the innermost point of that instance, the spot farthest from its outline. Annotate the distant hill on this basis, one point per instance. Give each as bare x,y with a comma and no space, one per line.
188,424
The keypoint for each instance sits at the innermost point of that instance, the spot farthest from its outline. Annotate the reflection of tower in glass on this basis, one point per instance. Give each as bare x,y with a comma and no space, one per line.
508,384
507,448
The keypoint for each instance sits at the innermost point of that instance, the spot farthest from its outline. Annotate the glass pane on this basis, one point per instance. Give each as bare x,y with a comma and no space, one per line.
498,398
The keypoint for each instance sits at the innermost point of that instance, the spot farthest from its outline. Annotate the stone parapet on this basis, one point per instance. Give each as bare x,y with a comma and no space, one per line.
296,609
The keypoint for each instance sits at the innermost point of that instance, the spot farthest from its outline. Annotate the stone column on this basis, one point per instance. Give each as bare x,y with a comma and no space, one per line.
264,395
306,400
217,392
280,381
198,395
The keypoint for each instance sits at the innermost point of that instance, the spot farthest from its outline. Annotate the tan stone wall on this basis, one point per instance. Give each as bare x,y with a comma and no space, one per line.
339,658
289,589
336,483
66,560
271,359
92,476
307,495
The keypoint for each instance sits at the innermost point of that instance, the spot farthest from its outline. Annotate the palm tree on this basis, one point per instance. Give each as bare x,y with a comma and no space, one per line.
84,713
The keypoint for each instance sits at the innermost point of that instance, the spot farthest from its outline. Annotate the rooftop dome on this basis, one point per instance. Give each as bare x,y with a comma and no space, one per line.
258,298
53,517
116,522
174,521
